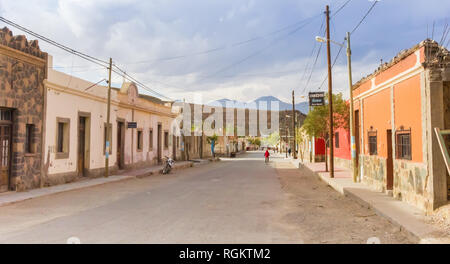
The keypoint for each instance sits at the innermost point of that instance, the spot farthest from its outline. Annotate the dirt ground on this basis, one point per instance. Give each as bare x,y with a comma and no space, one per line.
322,215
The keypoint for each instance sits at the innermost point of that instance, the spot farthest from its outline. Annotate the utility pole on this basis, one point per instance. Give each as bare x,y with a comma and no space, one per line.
108,123
352,122
286,134
330,95
293,127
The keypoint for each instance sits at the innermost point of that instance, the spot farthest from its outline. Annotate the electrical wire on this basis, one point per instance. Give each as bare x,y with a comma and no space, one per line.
54,43
364,17
235,44
226,68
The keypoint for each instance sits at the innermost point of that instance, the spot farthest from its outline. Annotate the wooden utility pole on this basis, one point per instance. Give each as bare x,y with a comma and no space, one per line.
352,121
330,95
293,127
108,123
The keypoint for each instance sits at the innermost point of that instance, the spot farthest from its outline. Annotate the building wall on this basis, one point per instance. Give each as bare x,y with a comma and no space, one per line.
68,99
23,69
399,97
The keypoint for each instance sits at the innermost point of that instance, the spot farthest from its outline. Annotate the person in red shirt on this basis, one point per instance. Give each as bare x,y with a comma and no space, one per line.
267,155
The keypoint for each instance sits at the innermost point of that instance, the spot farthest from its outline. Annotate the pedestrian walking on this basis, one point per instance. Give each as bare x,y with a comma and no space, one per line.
289,151
267,155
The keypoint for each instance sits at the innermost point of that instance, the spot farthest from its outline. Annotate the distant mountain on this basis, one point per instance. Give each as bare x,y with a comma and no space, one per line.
302,107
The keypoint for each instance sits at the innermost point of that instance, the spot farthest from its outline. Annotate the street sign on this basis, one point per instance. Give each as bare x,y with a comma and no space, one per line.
132,125
316,98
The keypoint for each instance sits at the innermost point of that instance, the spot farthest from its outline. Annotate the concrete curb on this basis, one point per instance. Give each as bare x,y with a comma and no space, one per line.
16,197
400,214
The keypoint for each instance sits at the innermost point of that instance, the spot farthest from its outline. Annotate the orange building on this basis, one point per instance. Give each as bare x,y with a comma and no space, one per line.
396,110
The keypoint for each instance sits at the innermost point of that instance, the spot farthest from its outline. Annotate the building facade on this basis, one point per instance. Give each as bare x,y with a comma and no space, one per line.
396,110
76,122
23,68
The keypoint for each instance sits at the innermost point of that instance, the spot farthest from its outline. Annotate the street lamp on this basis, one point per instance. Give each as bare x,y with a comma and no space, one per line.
350,81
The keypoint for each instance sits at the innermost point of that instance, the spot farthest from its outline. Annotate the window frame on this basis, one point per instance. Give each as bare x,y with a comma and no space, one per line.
373,145
400,146
30,143
139,139
166,139
62,143
150,138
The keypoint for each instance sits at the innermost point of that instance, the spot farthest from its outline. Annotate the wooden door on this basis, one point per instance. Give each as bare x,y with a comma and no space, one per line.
120,144
81,146
5,156
389,162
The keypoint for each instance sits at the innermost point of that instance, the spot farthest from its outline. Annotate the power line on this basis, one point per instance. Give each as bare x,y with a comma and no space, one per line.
335,13
235,44
80,54
342,44
142,85
54,43
259,51
367,13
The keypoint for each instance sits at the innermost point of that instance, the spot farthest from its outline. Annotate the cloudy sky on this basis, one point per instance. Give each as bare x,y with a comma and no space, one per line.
236,49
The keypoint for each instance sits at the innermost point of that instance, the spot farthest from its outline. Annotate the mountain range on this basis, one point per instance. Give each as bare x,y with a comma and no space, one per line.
302,107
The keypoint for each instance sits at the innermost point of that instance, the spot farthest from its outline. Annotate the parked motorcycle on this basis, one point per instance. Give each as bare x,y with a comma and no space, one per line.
168,166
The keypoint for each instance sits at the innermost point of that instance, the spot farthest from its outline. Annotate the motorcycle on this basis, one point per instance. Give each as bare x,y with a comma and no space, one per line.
168,166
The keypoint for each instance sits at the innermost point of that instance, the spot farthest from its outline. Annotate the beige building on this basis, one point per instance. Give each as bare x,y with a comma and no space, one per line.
75,128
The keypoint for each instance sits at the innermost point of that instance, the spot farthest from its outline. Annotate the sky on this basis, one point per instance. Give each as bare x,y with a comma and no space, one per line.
235,49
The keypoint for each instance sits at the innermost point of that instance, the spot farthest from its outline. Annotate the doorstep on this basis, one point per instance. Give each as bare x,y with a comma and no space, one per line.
406,216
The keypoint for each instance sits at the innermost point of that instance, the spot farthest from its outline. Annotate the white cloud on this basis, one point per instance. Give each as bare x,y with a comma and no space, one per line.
132,31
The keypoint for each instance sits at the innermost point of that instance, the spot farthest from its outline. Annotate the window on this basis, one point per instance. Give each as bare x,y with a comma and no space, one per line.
166,139
105,138
336,140
404,145
62,138
29,139
372,136
139,140
5,115
150,140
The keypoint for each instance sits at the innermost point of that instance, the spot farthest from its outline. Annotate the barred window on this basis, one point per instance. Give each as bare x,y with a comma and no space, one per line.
404,146
373,150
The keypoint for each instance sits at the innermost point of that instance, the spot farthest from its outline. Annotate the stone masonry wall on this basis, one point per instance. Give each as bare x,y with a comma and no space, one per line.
22,72
410,183
374,171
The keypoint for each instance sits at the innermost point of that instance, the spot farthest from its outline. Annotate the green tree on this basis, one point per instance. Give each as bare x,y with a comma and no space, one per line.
317,121
272,140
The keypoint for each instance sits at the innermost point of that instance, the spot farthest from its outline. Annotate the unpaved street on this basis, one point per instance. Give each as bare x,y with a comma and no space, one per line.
238,200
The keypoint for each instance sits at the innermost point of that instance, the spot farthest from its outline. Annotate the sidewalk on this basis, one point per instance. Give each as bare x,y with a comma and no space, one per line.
406,216
14,197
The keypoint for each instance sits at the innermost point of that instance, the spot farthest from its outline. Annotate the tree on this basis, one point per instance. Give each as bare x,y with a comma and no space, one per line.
255,141
317,121
272,140
302,141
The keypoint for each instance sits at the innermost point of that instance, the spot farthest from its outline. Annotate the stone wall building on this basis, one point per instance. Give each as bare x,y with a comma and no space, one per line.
396,110
23,68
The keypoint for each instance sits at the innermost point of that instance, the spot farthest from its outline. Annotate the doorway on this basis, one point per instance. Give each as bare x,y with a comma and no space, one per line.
5,155
81,167
159,145
120,144
389,162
